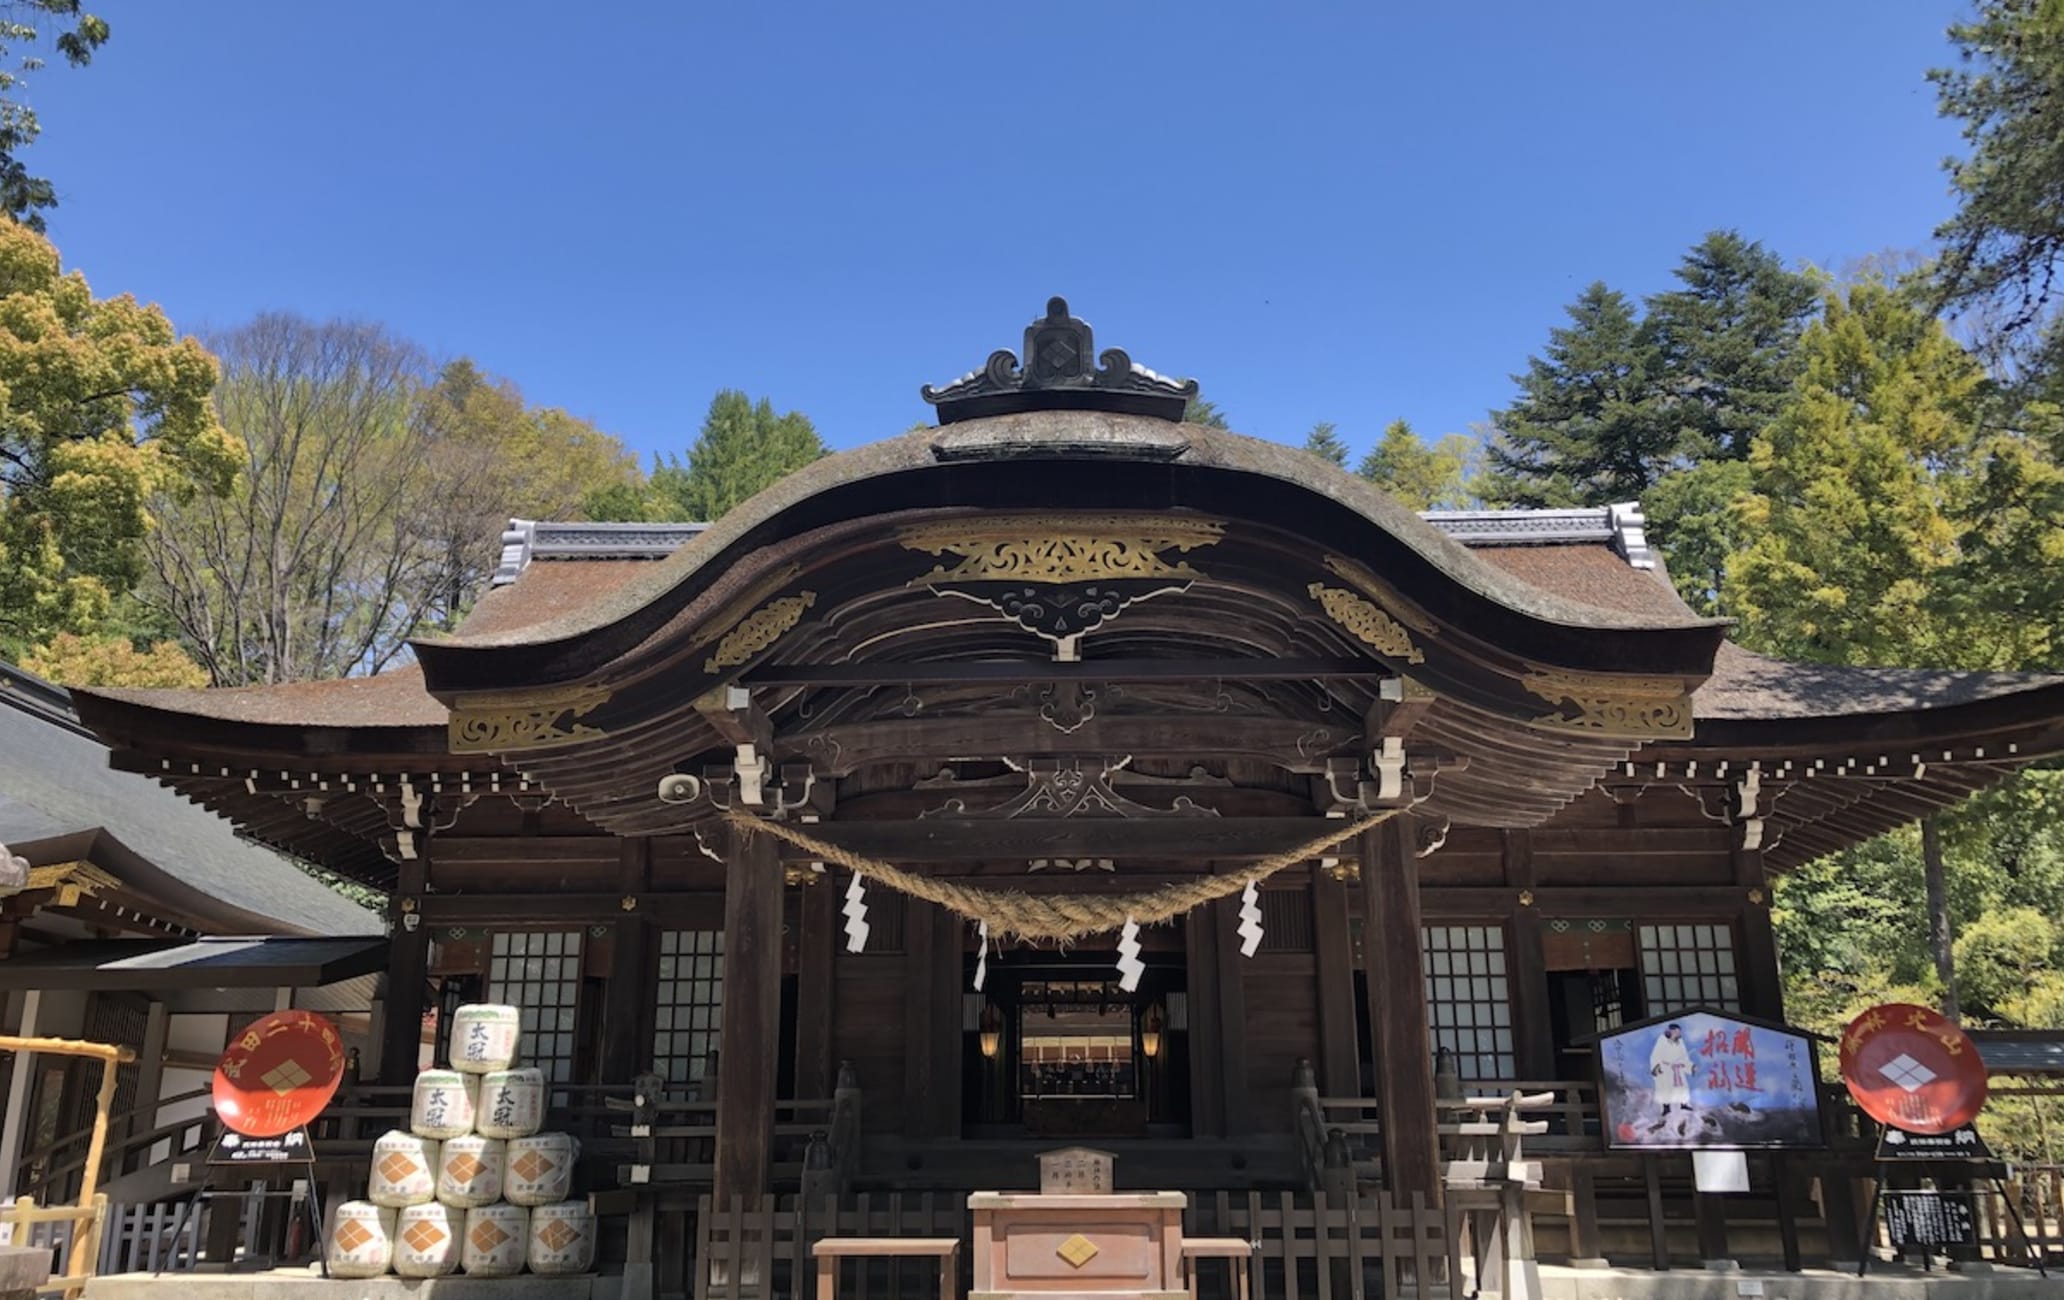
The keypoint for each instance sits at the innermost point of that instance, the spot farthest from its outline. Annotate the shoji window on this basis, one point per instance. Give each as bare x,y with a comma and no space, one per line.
1687,966
538,972
690,1002
1469,998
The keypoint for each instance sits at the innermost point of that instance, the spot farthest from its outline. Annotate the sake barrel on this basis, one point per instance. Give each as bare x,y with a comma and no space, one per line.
361,1239
426,1240
540,1168
469,1171
443,1103
512,1103
483,1037
562,1238
497,1236
404,1170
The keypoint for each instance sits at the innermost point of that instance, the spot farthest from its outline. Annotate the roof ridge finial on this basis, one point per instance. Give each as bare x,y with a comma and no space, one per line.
1058,375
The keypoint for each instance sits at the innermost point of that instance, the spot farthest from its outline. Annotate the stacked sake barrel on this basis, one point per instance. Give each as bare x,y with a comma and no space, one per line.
472,1185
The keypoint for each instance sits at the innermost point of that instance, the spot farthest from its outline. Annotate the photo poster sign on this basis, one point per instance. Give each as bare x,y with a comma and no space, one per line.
1706,1080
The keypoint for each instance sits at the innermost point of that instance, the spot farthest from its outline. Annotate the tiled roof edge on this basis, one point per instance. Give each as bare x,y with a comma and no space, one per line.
529,539
24,690
1620,525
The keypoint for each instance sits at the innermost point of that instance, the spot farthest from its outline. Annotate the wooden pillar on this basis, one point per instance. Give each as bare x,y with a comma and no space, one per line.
627,1011
150,1070
1762,988
1397,1013
1232,1018
750,1035
816,989
14,1123
931,1021
1207,1083
1333,951
408,972
1533,1025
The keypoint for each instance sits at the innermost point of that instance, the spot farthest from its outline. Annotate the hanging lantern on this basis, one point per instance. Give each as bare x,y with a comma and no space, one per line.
992,1030
1150,1026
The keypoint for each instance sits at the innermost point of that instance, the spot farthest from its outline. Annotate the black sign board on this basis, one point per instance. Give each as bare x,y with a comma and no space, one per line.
1930,1220
287,1149
1957,1144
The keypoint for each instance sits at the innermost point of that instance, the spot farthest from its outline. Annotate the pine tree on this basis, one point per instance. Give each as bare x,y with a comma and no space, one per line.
1422,477
1727,342
743,448
1590,425
1325,442
1199,411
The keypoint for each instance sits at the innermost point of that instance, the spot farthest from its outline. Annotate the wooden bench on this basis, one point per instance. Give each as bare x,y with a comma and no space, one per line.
830,1250
1235,1251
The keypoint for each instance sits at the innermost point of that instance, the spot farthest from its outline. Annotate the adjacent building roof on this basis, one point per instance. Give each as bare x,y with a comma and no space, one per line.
209,963
60,802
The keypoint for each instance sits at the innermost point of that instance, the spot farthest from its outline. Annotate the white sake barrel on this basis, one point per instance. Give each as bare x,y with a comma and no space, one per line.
361,1240
497,1237
512,1103
539,1169
562,1238
443,1103
426,1240
469,1171
483,1038
404,1170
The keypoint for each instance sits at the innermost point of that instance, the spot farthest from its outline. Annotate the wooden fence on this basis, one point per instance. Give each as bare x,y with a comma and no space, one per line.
1306,1245
60,1229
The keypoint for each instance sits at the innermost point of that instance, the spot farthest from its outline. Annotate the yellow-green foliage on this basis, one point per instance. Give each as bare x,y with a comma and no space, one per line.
102,404
71,660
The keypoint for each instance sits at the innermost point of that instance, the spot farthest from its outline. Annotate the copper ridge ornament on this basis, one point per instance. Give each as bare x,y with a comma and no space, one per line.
278,1073
1912,1068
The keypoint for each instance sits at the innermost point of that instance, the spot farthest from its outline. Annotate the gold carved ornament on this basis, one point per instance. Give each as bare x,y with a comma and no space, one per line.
758,630
1046,549
524,719
1623,706
1367,622
1376,589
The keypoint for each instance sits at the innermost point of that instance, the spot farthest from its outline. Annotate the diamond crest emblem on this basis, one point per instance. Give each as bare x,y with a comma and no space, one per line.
396,1167
423,1236
533,1165
1907,1072
463,1168
486,1235
286,1076
351,1234
559,1234
1077,1250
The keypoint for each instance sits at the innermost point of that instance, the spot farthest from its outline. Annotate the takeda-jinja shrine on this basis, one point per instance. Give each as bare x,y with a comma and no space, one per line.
1069,775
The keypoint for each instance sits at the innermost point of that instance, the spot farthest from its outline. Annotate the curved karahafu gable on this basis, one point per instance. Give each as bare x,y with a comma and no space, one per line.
1078,532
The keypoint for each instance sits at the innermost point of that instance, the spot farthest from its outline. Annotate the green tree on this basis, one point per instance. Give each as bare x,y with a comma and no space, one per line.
1199,411
743,448
1324,441
2001,955
1423,477
1590,424
72,660
2004,248
102,404
1856,485
1695,518
1727,342
75,35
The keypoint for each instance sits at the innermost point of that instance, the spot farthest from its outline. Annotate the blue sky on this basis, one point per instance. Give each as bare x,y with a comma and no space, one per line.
1345,212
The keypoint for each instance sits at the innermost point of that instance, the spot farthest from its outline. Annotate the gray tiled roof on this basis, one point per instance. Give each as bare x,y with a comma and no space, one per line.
55,782
2025,1052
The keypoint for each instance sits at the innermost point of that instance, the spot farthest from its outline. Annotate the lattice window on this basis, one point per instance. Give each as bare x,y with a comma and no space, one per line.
690,1000
1688,966
1469,998
538,973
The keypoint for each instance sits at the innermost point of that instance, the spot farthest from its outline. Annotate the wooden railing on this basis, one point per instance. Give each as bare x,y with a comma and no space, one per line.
672,1143
54,1169
1306,1245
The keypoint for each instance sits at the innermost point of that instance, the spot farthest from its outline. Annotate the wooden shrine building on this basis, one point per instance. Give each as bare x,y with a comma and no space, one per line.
1044,663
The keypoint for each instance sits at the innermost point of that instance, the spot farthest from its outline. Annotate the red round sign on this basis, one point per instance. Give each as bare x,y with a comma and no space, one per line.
1912,1068
279,1073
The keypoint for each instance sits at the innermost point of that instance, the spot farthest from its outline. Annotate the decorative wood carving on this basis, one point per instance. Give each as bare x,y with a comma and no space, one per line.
759,630
1366,621
527,720
1072,787
1060,578
1623,706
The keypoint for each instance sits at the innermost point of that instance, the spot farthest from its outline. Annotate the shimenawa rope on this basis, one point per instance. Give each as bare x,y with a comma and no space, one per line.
1016,913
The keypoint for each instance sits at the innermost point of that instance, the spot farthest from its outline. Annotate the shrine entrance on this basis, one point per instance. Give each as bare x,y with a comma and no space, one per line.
1060,1051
